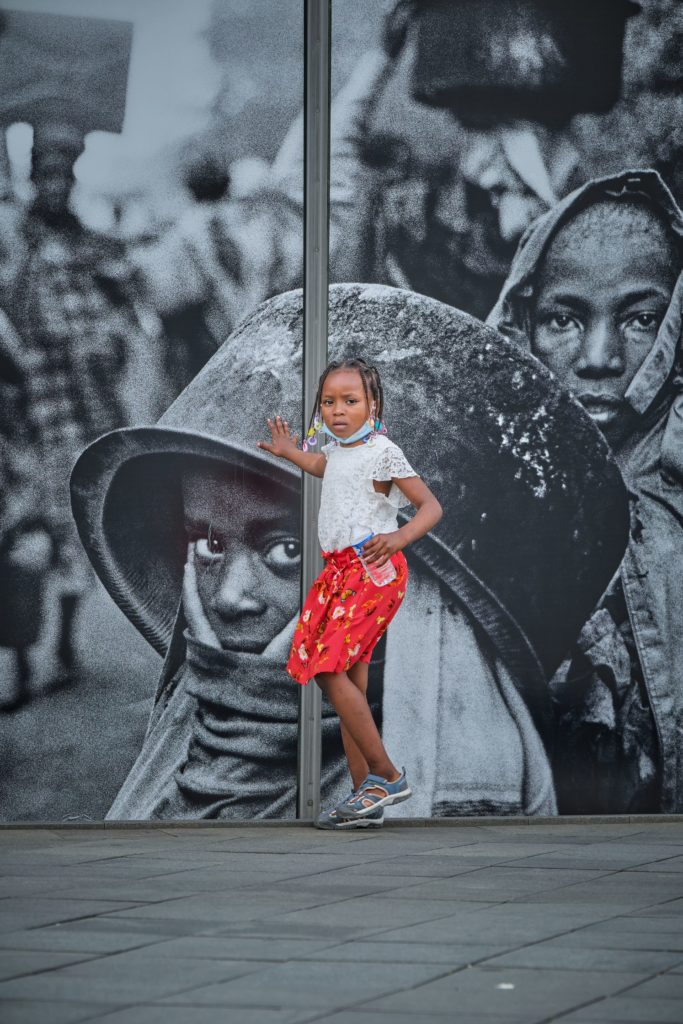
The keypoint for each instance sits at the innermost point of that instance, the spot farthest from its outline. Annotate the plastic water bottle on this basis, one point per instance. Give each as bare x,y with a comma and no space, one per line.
379,574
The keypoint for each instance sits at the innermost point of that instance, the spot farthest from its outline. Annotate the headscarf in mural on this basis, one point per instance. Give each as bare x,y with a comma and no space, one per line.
533,531
619,701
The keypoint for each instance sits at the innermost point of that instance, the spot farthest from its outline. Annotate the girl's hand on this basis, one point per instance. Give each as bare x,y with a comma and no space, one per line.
283,443
379,550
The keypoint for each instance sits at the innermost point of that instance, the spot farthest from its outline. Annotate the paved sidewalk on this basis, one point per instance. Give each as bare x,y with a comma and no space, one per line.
255,925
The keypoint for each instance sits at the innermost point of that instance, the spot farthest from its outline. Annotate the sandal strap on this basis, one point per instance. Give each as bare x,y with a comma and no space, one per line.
365,798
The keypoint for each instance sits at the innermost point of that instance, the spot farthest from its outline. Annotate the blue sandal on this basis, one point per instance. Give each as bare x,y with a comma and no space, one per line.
333,820
365,802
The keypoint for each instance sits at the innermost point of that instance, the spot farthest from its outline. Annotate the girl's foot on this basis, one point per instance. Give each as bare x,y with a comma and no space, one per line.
331,819
374,794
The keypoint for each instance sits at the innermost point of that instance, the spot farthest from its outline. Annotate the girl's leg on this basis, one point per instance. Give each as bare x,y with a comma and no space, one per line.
354,712
358,766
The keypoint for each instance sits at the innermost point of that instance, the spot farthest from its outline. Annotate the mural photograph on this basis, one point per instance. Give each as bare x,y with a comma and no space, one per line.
506,245
152,195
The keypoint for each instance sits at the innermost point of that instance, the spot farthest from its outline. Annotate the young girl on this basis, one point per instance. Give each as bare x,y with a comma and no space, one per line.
366,478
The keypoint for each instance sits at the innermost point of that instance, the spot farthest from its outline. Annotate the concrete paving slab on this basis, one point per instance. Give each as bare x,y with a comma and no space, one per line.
319,888
650,921
613,938
494,852
674,863
15,963
510,925
625,1010
669,908
333,881
560,957
419,866
221,947
203,1015
221,908
89,938
291,930
400,953
31,1011
33,912
664,986
510,992
360,1016
370,914
601,858
123,978
303,985
503,881
159,889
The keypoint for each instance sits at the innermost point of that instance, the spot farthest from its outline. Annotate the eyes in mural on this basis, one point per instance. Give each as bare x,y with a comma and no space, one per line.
280,553
569,325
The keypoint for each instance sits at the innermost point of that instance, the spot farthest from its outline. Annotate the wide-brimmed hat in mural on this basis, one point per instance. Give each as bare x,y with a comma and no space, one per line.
535,519
532,59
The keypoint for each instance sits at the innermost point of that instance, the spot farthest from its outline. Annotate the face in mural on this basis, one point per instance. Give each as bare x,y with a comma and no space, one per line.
247,550
603,291
343,402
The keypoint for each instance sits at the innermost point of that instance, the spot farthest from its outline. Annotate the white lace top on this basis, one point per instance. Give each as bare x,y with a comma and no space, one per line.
348,498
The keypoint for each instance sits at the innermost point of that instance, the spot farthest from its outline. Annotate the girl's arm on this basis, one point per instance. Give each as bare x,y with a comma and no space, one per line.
284,446
429,512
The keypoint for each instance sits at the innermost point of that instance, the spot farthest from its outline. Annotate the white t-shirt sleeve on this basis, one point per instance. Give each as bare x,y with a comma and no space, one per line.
392,464
327,448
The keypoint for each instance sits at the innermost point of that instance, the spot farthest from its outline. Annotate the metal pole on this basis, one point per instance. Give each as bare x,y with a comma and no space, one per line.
316,231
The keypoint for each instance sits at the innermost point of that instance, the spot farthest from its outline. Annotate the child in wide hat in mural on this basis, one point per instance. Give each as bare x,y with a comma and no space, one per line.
195,533
366,477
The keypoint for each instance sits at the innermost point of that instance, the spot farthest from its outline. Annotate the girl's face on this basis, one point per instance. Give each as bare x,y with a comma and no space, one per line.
245,531
343,404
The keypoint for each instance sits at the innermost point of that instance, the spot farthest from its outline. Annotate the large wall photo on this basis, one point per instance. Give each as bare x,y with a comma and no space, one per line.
520,160
506,247
152,196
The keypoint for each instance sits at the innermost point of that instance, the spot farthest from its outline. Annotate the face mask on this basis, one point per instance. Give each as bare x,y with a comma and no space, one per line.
359,434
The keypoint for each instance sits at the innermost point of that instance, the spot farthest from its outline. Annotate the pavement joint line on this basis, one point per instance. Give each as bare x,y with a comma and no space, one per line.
397,823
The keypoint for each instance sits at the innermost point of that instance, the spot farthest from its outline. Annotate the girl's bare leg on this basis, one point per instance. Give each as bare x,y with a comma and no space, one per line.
354,712
358,766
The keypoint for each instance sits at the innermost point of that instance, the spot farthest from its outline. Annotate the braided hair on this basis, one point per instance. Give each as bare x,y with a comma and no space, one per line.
369,375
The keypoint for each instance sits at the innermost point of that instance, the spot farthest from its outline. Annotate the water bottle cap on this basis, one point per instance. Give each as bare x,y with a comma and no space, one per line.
360,534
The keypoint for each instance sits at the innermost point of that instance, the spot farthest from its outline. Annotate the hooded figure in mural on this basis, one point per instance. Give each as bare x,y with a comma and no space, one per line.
596,293
195,533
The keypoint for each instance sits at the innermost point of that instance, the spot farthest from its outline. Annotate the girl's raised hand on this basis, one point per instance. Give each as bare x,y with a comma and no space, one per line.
283,443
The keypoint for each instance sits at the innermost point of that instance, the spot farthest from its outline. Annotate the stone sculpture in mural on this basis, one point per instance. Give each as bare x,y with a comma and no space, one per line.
596,293
188,523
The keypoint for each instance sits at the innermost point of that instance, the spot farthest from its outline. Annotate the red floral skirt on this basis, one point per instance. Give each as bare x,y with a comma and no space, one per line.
344,615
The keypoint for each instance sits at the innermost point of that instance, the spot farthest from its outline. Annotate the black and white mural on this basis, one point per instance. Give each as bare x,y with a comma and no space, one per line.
520,160
151,197
505,246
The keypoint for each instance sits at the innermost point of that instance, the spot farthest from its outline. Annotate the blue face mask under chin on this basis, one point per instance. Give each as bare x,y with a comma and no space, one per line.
358,436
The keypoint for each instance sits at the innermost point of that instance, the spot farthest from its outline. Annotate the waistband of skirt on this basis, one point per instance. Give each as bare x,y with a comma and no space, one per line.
345,556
